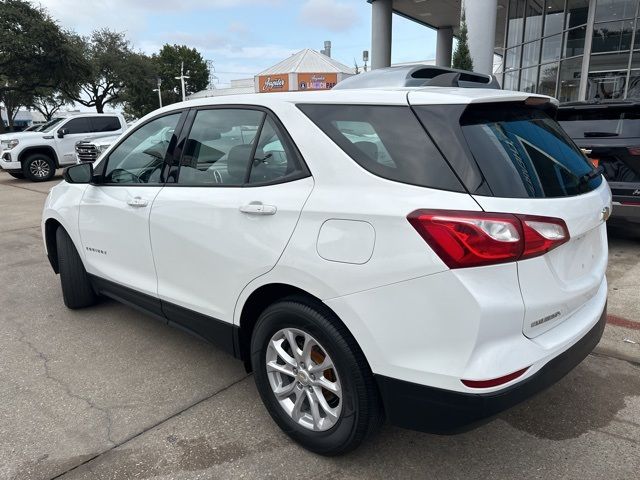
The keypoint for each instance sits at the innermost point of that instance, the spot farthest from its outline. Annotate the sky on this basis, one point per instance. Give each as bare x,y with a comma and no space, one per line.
244,37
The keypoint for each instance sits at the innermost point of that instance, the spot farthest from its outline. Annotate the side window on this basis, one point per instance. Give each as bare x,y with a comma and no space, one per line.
140,157
78,125
105,124
219,147
274,158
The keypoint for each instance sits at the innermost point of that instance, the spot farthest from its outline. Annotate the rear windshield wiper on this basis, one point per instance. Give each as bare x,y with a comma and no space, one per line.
596,172
600,134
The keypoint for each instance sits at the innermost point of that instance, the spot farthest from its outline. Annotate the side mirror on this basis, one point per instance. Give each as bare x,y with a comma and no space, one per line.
80,173
62,132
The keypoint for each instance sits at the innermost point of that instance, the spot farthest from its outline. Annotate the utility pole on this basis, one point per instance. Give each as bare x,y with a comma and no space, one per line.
159,92
181,78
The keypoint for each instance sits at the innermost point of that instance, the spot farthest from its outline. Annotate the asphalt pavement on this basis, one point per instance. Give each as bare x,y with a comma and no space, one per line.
109,393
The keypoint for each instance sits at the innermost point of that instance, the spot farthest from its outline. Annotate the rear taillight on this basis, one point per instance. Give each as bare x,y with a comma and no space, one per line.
471,239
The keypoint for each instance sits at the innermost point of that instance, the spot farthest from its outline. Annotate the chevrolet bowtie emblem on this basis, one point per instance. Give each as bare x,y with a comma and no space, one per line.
606,213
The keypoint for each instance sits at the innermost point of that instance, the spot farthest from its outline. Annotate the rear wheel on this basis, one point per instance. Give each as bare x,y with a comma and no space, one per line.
313,378
76,287
17,174
39,167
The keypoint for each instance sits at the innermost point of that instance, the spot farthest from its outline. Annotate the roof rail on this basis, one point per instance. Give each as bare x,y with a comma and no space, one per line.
418,76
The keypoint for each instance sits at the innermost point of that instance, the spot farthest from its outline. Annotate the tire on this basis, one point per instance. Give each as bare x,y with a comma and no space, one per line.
76,287
38,167
17,175
358,403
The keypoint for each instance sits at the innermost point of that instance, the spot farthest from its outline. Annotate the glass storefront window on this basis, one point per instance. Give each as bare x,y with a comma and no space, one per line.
528,79
516,22
612,36
615,9
634,84
609,62
530,54
554,17
533,22
606,85
510,80
569,82
547,79
574,42
551,48
577,12
512,58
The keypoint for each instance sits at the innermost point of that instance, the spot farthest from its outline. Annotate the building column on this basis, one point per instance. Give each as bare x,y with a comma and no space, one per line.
381,12
444,46
481,22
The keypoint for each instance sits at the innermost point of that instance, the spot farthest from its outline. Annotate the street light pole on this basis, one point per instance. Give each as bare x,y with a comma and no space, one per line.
159,92
181,78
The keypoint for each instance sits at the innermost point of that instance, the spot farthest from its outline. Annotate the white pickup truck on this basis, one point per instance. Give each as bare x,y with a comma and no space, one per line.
36,155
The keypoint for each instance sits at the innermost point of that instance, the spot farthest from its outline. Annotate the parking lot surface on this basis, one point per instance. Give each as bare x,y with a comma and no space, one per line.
109,393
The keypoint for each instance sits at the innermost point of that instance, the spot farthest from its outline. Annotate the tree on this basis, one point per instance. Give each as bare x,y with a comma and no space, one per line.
462,57
34,53
138,96
168,62
48,102
108,55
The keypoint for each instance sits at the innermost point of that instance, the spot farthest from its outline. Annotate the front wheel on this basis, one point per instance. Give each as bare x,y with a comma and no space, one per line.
313,378
39,167
76,287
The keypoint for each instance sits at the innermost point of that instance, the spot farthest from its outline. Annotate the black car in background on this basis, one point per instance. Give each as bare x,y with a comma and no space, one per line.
609,133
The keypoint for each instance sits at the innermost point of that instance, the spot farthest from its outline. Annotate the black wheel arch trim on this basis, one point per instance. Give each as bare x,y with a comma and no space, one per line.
40,149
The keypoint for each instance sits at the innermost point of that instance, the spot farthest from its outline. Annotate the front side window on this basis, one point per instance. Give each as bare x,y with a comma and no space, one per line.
78,125
233,147
140,157
388,141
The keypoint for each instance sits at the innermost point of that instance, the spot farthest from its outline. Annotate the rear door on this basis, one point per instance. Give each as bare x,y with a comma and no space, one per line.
529,166
237,194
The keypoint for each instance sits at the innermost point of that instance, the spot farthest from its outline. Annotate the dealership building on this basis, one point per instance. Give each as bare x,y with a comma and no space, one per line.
569,49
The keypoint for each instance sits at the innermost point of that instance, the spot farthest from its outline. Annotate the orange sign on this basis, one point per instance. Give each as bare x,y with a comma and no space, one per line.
273,83
317,81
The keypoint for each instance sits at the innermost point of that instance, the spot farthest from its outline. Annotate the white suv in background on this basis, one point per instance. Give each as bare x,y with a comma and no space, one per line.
35,155
429,255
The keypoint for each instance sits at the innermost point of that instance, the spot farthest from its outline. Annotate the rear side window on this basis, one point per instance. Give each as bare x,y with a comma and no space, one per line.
388,141
105,124
523,152
600,122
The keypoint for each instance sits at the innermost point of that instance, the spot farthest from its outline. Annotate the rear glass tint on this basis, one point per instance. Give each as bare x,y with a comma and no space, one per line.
523,152
388,141
600,122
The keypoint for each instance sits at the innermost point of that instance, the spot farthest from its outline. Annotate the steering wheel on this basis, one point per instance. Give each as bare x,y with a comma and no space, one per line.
217,176
121,172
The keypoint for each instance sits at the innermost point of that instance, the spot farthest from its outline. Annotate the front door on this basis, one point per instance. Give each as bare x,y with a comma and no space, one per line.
240,189
77,129
114,214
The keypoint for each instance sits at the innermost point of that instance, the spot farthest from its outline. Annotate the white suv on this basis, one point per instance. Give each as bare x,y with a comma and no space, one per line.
428,255
35,155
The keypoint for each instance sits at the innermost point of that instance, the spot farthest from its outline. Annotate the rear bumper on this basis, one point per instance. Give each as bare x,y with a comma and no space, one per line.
434,410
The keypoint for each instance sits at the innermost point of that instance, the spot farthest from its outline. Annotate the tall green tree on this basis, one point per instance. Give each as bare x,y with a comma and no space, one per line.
168,62
48,102
461,57
138,96
34,53
109,57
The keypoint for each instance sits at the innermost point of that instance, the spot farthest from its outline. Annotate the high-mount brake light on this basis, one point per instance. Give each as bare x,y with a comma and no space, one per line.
471,239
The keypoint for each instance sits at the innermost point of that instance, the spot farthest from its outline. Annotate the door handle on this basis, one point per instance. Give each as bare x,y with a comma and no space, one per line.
137,202
258,208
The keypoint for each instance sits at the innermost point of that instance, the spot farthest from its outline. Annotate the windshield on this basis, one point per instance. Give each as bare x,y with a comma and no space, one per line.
50,125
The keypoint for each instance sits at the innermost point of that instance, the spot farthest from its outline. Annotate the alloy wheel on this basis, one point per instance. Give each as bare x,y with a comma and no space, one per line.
303,379
40,168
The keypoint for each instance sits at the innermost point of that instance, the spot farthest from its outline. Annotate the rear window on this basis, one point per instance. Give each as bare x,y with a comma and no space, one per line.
523,152
388,141
600,122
